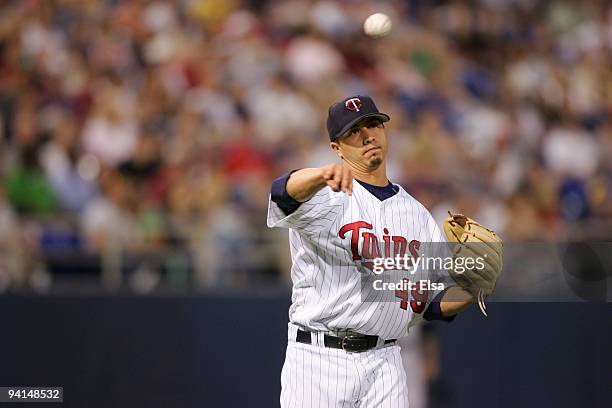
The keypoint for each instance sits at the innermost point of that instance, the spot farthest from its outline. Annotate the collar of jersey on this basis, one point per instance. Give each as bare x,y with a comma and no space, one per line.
382,193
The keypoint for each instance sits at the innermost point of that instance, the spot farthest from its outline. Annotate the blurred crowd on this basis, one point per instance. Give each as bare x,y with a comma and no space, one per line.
151,130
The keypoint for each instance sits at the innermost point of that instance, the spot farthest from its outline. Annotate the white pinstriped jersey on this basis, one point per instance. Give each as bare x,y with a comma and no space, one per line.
331,237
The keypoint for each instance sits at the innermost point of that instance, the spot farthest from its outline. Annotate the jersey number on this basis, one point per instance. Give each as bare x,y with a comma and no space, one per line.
419,299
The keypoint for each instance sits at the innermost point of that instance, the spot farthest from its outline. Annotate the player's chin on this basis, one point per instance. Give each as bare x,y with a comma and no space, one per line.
375,162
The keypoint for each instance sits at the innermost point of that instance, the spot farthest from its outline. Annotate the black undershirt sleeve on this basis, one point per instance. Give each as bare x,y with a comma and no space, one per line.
281,197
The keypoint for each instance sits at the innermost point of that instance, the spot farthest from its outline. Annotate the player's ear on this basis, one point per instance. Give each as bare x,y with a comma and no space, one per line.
336,148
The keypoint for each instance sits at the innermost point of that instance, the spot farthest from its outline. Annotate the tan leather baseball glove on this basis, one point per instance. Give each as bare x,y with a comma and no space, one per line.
477,255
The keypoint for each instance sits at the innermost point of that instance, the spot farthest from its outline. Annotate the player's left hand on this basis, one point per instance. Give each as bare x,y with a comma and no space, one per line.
471,241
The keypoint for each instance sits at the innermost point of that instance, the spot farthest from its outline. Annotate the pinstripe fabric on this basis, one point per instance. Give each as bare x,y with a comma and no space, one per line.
328,297
319,377
327,293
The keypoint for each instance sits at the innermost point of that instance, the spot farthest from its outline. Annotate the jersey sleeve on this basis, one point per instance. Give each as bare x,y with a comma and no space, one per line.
311,216
281,197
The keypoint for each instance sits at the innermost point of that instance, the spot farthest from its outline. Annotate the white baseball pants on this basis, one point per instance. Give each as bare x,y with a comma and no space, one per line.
317,376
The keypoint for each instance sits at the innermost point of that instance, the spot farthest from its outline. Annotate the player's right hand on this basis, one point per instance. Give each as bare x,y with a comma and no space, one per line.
338,177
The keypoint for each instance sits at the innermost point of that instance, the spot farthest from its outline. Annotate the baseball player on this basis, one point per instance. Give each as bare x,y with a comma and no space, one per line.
342,332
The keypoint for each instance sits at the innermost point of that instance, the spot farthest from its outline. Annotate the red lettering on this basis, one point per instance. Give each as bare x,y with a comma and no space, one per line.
400,244
387,240
419,299
370,250
354,227
414,248
403,295
371,247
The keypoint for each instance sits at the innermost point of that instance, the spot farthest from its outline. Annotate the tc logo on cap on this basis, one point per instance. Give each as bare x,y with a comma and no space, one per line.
353,104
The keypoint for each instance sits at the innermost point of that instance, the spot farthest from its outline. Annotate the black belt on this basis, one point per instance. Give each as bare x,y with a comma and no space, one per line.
352,343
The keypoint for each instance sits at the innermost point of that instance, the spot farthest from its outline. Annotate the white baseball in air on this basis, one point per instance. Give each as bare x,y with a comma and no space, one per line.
377,25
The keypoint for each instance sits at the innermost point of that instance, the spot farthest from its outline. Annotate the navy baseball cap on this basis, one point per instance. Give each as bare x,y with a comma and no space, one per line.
345,114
